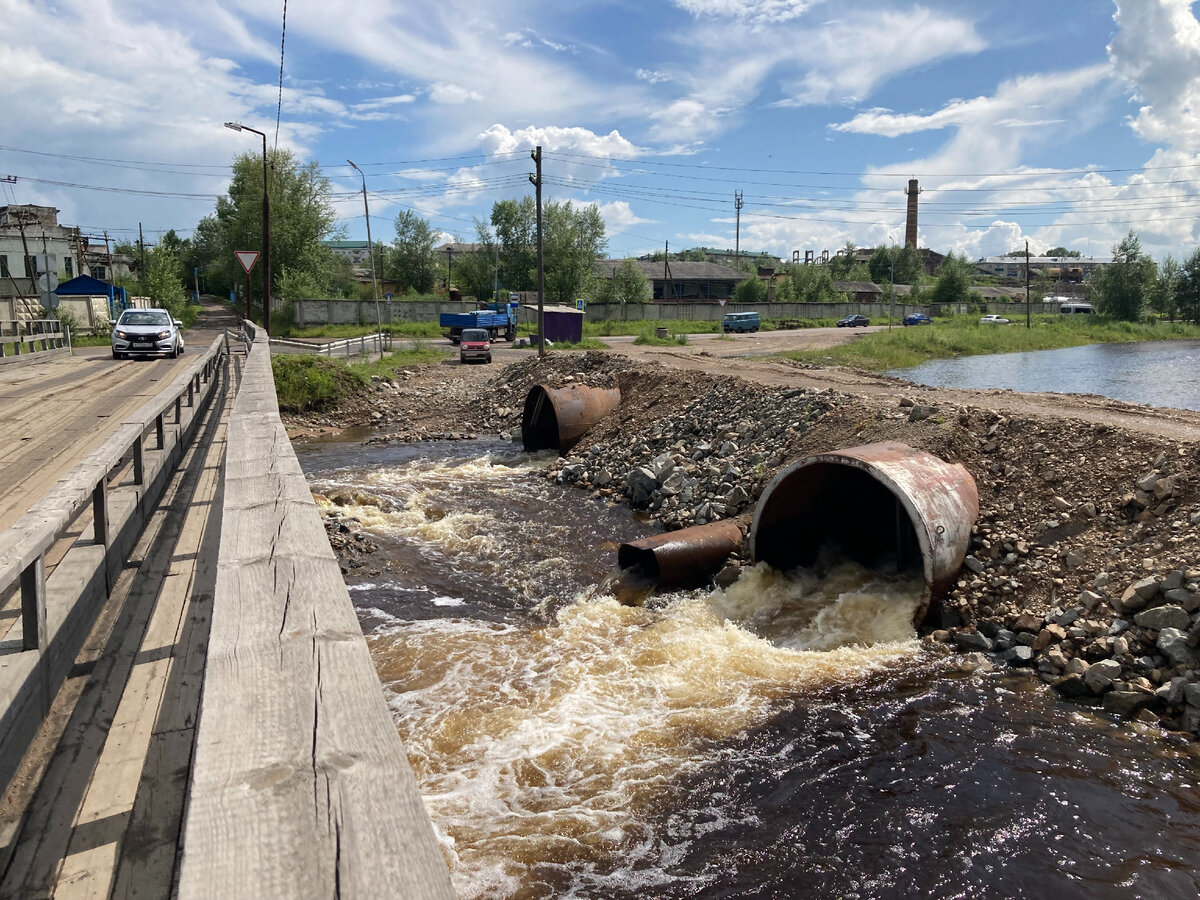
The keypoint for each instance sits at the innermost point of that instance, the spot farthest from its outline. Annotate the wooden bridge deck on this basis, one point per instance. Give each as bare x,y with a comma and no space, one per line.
96,810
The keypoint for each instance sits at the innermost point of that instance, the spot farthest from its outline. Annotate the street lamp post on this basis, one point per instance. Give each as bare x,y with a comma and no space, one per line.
266,227
371,251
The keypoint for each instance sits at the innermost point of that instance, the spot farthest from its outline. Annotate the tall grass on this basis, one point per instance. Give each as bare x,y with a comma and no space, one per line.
312,383
901,347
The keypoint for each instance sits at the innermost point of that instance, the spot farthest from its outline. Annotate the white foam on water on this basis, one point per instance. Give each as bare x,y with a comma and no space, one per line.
557,743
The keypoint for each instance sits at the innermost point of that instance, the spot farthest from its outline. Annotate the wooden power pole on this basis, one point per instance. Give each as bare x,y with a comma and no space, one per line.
536,180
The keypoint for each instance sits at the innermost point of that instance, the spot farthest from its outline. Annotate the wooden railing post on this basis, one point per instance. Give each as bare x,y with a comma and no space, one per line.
33,605
159,432
139,461
100,513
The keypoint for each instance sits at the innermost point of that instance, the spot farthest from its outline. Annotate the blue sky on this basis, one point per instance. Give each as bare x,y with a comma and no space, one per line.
1060,123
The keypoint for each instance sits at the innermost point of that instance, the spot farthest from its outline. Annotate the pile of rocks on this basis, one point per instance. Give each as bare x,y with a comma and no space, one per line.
705,462
1130,639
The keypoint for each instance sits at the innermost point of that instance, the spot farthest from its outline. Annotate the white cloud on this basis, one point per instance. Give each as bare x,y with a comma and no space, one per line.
756,11
651,75
618,215
847,60
445,92
1157,51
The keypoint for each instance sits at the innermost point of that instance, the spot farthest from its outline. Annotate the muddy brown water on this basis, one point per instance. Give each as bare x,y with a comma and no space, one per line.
786,738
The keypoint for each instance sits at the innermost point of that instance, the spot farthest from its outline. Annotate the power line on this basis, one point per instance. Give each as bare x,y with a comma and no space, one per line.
279,105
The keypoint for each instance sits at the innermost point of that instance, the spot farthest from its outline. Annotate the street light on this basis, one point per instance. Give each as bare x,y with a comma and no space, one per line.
266,236
371,251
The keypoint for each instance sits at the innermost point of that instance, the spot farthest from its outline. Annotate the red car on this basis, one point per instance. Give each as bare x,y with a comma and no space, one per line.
475,345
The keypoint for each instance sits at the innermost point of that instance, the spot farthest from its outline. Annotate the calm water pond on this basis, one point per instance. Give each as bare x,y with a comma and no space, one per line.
1158,374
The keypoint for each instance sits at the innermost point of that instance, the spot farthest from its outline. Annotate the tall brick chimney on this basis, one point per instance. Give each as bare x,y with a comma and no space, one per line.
910,227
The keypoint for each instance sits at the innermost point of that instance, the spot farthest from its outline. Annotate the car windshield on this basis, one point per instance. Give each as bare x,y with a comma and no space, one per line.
474,334
144,317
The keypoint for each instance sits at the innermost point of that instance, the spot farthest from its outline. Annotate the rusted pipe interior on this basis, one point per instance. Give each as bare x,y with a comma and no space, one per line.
557,418
842,506
539,423
887,506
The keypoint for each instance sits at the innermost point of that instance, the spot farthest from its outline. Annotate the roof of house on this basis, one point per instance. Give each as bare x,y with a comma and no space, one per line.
563,310
83,286
346,245
857,287
679,270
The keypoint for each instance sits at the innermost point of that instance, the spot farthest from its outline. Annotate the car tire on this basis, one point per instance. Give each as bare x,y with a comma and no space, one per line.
489,359
117,355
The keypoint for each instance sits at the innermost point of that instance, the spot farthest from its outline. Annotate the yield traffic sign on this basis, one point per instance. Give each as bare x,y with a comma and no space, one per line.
247,258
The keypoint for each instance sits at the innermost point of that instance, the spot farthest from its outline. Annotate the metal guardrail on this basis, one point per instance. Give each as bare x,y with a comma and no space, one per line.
29,677
24,335
347,347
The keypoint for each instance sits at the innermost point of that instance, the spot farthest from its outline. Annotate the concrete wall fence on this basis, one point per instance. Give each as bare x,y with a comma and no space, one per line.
307,313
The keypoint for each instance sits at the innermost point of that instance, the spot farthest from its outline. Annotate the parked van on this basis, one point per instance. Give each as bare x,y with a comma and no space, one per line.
1066,309
740,321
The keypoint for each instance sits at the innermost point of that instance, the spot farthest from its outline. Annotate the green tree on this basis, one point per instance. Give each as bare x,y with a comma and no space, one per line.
811,284
1163,297
572,240
1062,251
515,226
1187,288
164,280
842,266
750,290
475,273
954,280
302,220
410,260
627,284
1122,288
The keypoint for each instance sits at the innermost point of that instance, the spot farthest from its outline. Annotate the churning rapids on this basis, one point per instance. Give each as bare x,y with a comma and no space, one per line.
787,737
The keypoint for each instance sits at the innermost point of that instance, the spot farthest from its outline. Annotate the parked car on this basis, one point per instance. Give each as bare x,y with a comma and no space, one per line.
853,321
741,321
917,319
993,320
146,332
475,344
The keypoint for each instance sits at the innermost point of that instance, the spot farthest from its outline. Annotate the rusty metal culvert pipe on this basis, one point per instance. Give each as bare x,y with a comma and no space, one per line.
682,559
557,418
882,505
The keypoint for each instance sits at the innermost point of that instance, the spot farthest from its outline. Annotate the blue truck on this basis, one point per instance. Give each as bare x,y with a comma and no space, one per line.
499,320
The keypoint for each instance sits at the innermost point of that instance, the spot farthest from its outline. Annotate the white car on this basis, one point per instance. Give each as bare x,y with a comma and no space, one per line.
146,332
993,320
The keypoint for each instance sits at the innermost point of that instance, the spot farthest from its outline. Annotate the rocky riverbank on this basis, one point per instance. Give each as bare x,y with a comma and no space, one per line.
1084,565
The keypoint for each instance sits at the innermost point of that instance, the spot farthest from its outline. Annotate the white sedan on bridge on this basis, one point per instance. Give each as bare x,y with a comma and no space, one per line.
146,332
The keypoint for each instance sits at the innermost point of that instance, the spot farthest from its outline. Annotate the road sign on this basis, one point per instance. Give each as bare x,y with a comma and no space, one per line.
247,258
579,303
389,296
722,302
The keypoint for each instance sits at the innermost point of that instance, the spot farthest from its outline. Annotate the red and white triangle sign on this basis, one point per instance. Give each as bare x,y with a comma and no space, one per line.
247,258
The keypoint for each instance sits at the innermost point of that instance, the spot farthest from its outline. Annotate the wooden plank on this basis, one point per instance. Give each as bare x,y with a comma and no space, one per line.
295,747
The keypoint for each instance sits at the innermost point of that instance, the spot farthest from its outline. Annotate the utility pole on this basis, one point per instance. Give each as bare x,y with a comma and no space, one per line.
30,262
107,252
581,257
536,181
449,265
737,240
1028,308
142,251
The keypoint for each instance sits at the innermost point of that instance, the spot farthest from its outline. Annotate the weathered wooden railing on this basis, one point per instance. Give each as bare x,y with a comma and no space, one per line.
24,336
347,347
300,784
58,611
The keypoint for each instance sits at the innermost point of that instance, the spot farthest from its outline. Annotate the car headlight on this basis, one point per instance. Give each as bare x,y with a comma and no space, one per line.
164,334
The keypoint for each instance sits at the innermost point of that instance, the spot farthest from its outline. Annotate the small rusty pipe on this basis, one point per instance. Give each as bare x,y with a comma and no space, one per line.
685,558
557,418
879,504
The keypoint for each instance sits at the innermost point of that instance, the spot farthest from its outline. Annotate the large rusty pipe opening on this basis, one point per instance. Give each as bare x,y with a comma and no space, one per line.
886,506
557,418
